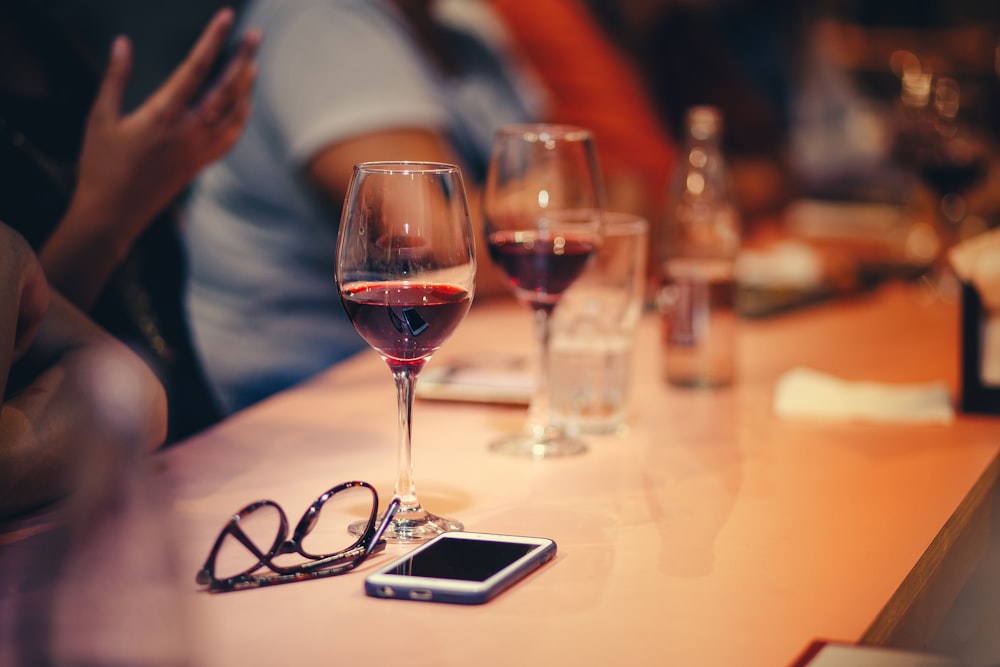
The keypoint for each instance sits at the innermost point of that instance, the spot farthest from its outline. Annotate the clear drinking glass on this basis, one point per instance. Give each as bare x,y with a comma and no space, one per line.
406,270
542,211
593,332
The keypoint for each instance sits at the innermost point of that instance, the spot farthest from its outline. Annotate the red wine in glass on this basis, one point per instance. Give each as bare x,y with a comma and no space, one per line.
540,266
405,322
946,176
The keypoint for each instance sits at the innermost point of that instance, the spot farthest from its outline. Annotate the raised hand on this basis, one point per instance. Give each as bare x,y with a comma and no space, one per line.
132,165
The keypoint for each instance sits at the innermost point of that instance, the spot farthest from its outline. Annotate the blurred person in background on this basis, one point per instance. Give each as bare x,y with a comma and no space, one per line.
737,55
592,83
93,189
68,387
929,68
806,89
340,82
817,106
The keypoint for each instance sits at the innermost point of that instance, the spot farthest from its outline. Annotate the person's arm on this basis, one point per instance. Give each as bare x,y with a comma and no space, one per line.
73,389
331,168
133,165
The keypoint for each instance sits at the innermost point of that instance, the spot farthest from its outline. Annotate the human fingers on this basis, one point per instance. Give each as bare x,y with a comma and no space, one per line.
108,103
184,83
32,305
236,81
228,128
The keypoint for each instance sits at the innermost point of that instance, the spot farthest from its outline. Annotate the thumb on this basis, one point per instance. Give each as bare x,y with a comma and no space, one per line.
112,90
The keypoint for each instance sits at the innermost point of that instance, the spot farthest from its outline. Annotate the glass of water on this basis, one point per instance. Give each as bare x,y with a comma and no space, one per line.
593,331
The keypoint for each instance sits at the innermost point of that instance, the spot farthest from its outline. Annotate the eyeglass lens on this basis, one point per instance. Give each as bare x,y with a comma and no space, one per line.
262,527
328,533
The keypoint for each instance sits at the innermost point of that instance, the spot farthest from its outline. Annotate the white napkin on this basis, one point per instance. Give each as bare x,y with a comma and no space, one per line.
977,261
787,264
807,393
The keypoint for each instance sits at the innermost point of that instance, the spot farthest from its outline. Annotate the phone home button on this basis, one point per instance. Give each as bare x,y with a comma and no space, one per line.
420,594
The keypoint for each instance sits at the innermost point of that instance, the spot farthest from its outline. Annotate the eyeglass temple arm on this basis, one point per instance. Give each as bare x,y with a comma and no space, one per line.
274,579
390,512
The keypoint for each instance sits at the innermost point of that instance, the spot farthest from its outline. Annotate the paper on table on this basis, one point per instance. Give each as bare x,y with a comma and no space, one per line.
787,264
807,393
509,384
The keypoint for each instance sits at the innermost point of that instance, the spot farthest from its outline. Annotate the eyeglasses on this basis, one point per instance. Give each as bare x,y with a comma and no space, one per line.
257,536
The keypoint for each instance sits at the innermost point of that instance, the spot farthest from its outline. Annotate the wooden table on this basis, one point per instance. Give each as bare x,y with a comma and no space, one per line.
712,533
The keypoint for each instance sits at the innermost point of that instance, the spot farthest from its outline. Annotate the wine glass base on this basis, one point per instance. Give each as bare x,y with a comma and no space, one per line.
527,445
411,526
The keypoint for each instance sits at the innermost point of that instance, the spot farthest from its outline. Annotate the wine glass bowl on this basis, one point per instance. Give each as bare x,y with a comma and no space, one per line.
405,272
542,216
947,153
541,265
395,318
950,165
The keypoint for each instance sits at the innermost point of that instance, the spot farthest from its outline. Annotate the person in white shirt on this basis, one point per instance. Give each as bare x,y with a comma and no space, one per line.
339,82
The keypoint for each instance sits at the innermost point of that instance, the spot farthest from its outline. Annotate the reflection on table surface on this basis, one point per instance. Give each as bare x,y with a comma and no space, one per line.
711,533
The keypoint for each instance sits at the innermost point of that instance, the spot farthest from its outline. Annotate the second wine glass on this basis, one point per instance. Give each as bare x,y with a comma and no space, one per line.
542,212
406,270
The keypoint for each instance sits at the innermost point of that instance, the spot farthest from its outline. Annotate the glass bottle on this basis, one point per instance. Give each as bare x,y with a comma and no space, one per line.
697,252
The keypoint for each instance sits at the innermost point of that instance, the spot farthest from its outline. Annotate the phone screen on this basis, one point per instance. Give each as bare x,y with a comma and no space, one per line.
467,560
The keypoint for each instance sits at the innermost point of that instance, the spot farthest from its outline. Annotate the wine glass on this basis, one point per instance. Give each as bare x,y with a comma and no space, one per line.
406,268
542,211
951,158
946,152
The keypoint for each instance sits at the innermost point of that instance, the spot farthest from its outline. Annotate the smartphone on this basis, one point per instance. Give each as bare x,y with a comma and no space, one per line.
460,567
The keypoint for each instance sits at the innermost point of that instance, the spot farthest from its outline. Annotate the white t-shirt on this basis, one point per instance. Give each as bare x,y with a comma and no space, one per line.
261,297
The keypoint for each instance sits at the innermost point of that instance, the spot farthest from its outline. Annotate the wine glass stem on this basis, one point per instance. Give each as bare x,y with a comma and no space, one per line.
539,418
405,489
